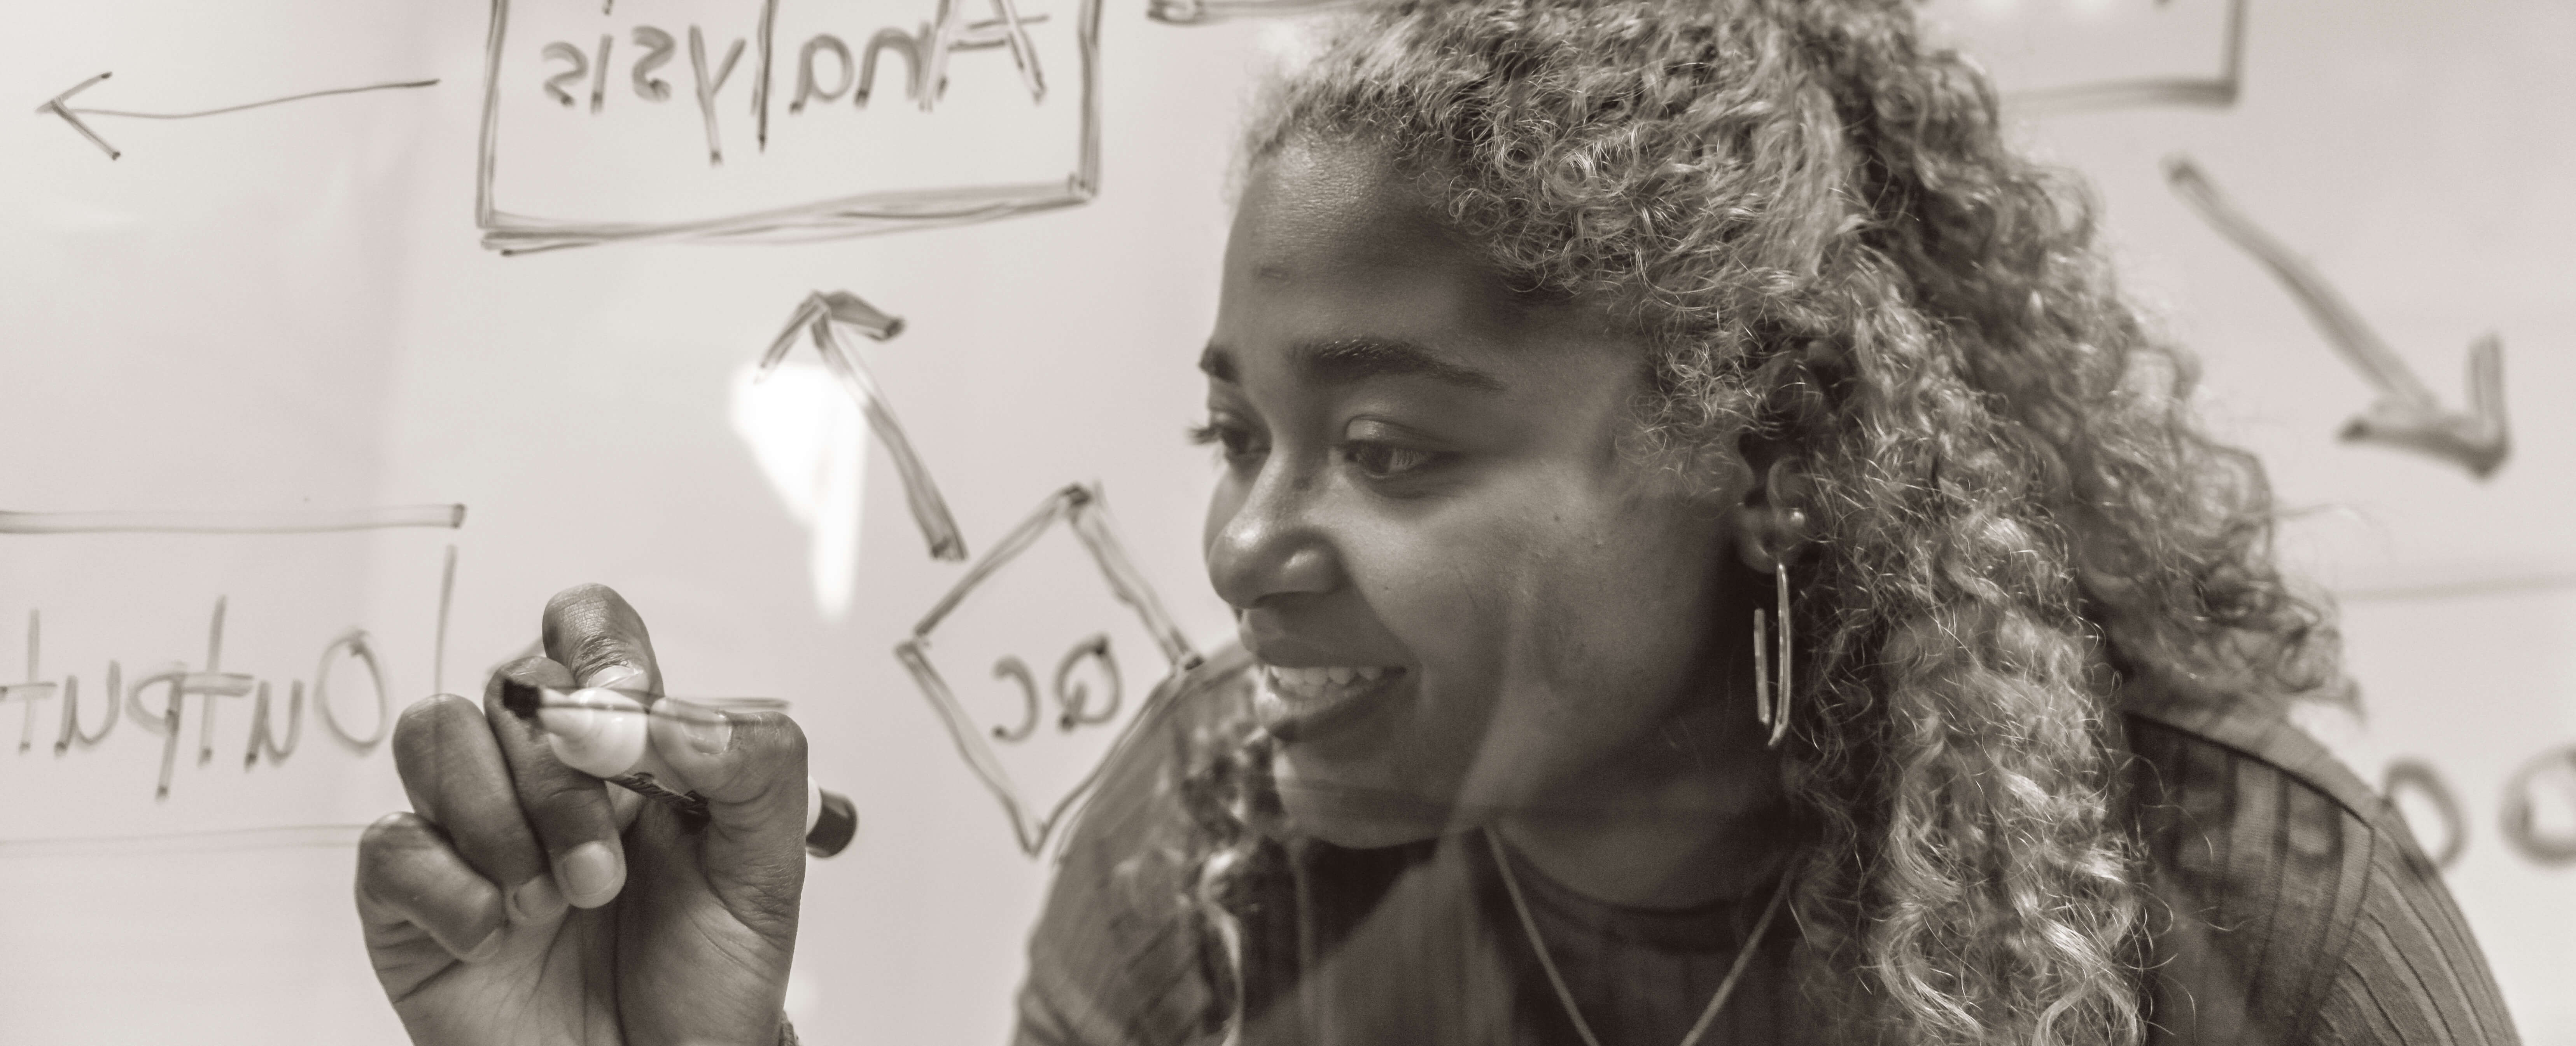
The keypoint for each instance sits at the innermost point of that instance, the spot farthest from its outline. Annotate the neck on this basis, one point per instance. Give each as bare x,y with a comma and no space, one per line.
1668,825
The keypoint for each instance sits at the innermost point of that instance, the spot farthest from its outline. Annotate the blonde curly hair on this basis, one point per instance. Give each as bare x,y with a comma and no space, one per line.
1813,219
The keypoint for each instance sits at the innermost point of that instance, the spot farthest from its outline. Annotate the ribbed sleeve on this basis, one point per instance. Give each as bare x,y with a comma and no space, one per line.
2297,908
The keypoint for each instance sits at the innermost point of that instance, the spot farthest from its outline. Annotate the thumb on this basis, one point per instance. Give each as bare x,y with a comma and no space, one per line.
750,768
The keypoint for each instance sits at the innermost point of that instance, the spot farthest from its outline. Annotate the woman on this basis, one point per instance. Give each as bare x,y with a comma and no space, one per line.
1715,561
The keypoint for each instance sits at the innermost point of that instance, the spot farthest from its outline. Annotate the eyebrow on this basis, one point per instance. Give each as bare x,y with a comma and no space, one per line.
1345,361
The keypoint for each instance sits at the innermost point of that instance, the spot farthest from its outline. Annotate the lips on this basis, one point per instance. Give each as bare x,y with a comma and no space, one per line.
1293,703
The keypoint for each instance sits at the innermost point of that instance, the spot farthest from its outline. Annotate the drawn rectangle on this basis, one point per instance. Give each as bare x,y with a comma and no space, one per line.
1059,657
781,120
2052,56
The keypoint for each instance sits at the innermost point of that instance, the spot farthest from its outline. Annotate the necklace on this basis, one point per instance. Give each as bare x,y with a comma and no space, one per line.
1743,958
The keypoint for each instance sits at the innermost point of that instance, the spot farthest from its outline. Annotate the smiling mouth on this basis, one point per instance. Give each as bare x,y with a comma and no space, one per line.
1293,703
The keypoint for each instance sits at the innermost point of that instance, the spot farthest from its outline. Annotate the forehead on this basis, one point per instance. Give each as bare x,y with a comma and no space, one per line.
1316,208
1332,243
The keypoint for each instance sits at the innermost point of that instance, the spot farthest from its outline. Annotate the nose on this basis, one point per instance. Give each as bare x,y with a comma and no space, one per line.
1267,544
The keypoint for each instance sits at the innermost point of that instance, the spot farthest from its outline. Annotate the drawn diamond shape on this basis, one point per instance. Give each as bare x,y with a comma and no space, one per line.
1034,818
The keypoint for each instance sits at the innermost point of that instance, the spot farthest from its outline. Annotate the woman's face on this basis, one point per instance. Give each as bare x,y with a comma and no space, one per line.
1469,598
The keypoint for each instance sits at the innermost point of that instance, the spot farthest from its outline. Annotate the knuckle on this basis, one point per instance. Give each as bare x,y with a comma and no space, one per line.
422,730
584,596
531,669
421,717
387,847
600,648
393,831
780,736
564,800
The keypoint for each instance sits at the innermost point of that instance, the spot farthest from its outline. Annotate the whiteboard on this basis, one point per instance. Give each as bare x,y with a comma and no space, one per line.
329,395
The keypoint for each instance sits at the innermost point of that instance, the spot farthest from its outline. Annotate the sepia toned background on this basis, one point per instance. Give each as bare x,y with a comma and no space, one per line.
286,318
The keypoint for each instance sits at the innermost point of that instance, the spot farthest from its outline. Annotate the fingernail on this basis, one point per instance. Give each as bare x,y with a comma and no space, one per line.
591,874
490,944
537,900
619,676
707,730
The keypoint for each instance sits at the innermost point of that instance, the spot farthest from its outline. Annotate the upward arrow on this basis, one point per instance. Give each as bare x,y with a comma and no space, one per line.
821,315
2407,414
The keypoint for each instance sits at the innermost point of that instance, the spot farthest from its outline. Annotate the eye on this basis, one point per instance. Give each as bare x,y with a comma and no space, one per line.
1386,460
1237,440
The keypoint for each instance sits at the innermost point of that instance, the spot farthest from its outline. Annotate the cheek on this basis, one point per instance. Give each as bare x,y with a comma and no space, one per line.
1547,644
1223,503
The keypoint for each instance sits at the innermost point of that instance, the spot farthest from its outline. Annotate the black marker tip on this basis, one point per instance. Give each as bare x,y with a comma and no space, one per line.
520,698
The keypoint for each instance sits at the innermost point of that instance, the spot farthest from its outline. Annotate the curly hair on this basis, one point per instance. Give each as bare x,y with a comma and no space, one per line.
1813,221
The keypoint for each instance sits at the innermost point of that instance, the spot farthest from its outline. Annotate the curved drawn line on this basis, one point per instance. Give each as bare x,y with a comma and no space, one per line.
1014,668
2519,820
1090,515
446,602
1076,700
2459,589
287,521
2420,776
253,105
1012,544
920,491
1202,12
834,219
2342,325
2218,93
186,842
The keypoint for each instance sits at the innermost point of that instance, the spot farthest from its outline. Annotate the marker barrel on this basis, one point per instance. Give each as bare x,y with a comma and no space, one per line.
613,735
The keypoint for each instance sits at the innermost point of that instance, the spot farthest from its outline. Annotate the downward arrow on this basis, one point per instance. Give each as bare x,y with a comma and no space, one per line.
2407,414
820,316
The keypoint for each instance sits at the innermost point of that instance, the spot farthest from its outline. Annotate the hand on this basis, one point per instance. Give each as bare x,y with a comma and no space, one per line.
510,908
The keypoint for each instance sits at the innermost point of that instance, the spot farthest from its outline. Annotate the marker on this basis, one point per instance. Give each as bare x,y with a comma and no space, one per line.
610,734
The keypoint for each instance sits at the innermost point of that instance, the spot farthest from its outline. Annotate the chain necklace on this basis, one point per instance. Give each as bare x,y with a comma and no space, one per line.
1743,958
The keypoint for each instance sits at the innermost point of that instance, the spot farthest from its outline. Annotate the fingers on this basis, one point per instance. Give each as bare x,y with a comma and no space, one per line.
591,630
407,873
750,767
454,772
568,810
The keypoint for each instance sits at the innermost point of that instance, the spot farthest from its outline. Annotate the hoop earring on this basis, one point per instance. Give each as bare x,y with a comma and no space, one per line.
1771,704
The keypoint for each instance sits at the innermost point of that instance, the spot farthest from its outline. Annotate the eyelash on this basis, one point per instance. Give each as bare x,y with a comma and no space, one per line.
1413,460
1397,462
1233,438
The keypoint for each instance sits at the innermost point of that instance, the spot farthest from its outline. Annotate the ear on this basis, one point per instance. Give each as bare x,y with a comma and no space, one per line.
1770,528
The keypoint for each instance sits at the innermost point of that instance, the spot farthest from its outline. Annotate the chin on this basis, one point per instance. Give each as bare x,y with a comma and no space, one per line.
1350,814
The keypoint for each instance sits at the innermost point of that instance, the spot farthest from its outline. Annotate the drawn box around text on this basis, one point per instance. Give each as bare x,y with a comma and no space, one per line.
781,120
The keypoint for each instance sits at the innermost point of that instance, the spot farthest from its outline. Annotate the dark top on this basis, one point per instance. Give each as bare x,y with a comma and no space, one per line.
2295,908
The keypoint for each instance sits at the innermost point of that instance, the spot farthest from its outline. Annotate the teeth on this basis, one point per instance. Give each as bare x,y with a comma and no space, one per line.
1315,682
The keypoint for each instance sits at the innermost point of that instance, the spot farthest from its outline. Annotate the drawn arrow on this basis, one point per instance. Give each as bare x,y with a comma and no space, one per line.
57,106
820,316
2407,414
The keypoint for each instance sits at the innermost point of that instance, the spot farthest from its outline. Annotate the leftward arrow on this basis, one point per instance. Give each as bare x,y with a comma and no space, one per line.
2406,415
59,106
821,315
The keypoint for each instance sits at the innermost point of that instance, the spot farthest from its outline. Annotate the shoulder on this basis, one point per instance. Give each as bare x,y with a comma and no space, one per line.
2295,905
1115,957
